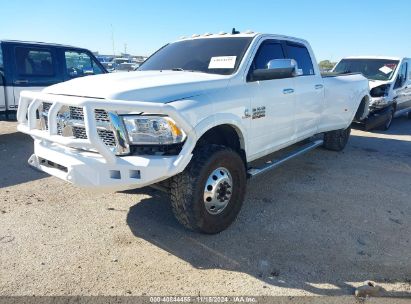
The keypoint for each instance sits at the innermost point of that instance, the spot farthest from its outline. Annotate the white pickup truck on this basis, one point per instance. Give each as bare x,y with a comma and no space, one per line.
192,119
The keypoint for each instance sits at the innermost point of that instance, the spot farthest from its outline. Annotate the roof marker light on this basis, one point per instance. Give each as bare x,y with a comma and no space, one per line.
222,33
195,35
249,32
207,34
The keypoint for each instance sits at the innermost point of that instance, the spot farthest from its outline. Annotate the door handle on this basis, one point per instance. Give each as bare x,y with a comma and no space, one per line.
23,81
288,91
319,86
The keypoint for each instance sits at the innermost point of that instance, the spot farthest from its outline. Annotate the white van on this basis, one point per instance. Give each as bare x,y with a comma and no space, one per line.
390,86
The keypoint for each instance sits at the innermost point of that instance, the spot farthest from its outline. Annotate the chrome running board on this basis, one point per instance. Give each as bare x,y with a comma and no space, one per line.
277,162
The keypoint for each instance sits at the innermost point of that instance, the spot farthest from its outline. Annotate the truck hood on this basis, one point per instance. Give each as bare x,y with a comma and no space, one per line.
153,86
375,83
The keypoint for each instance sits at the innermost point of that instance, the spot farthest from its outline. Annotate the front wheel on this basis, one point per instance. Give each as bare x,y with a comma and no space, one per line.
209,193
388,122
336,140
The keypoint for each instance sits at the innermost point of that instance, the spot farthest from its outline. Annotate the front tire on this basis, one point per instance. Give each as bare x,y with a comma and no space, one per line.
336,140
209,193
387,124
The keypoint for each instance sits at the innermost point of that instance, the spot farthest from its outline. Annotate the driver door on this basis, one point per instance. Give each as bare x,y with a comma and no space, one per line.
272,103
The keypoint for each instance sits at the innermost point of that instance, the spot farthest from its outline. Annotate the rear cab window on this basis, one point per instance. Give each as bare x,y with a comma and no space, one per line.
34,62
35,66
80,63
300,53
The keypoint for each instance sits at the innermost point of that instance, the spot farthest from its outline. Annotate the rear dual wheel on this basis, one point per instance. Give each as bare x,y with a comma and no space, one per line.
336,140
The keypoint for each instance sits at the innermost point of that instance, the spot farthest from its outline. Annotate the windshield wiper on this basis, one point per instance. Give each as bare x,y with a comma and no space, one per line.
182,70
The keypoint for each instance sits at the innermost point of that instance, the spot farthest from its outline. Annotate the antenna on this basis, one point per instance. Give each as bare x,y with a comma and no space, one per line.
234,32
112,40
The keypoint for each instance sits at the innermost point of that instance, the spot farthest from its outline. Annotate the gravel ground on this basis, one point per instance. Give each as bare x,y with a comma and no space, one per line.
320,225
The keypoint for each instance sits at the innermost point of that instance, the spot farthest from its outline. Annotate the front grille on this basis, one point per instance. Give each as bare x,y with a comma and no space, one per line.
79,132
100,115
46,106
107,137
76,114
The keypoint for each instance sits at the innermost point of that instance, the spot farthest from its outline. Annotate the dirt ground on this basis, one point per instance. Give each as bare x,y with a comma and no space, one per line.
320,225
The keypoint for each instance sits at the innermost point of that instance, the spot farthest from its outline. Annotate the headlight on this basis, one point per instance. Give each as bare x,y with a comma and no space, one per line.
380,91
152,130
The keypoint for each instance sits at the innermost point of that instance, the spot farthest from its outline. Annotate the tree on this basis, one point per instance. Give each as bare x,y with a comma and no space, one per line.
326,65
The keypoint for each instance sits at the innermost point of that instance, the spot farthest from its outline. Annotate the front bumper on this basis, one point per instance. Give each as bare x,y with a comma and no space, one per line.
90,170
377,103
376,118
70,158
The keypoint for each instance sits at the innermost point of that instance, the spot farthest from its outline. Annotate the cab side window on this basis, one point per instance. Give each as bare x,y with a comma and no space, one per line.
80,64
300,54
402,76
268,50
34,62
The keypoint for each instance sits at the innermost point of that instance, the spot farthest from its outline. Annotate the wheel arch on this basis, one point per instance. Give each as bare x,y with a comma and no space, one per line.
227,132
363,108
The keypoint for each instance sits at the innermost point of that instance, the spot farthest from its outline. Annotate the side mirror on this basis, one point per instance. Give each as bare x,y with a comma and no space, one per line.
277,69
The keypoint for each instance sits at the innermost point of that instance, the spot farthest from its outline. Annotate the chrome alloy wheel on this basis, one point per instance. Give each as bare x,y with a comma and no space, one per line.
218,191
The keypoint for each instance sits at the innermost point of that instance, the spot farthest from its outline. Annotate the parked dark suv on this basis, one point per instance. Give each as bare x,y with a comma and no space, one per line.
35,65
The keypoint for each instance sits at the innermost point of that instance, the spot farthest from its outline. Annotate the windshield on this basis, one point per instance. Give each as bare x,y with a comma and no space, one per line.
374,69
208,55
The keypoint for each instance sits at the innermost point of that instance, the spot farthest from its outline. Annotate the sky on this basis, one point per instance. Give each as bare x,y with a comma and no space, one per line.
334,28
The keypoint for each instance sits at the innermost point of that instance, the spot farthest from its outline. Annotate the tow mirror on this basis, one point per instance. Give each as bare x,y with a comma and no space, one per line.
277,69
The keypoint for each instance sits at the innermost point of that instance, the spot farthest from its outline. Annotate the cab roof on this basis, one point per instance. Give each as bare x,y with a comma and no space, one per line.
376,57
37,43
246,34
